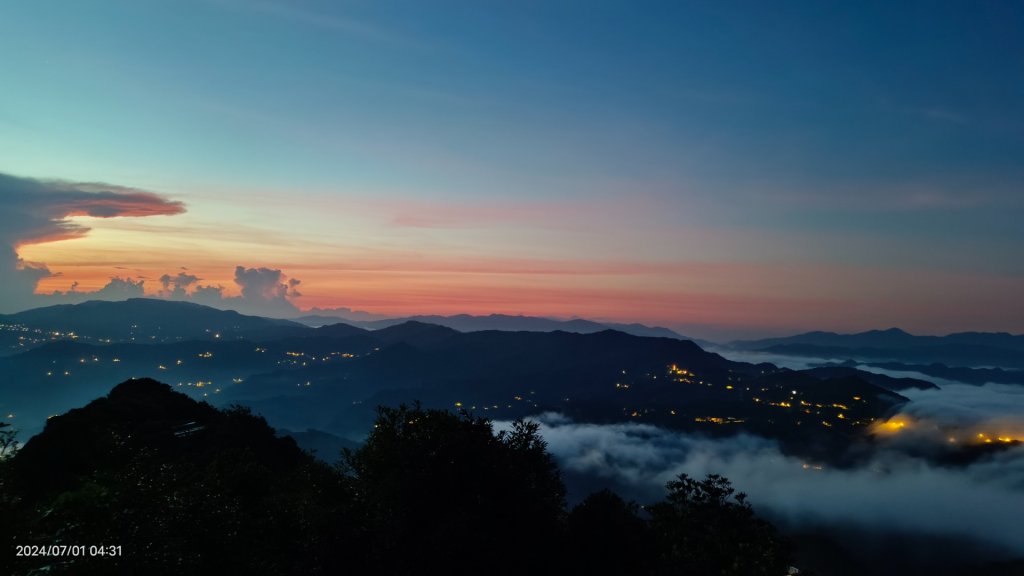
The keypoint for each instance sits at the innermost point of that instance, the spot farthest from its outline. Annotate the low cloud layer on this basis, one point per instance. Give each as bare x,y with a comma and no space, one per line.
957,414
897,491
892,493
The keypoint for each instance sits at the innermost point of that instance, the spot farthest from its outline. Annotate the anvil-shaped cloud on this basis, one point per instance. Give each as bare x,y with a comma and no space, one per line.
37,211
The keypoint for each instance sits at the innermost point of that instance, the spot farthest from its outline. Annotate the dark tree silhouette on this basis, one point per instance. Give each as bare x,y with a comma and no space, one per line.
704,528
8,440
606,535
8,520
444,494
183,488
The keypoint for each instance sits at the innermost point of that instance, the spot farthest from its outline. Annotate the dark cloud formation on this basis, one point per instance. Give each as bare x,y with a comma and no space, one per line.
20,279
36,211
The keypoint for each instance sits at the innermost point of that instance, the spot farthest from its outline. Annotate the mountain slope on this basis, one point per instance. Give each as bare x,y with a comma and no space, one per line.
960,349
149,320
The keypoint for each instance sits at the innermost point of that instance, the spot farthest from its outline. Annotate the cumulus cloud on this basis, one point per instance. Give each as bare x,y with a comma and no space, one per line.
120,289
208,295
264,291
265,284
116,289
891,493
177,287
37,211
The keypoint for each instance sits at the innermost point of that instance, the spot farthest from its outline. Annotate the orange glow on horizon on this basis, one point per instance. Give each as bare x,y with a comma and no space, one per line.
445,273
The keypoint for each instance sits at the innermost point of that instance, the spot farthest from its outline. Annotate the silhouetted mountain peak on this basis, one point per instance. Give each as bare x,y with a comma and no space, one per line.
415,333
339,330
138,387
889,332
142,418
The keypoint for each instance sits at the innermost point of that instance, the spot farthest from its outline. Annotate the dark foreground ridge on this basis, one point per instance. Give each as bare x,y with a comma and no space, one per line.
180,487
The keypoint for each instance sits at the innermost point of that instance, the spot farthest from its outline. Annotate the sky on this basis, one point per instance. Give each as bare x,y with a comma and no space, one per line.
722,168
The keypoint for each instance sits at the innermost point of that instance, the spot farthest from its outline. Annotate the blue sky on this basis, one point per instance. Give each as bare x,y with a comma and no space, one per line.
861,140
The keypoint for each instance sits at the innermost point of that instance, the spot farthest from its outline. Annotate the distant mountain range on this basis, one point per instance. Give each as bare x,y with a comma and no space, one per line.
330,379
507,323
970,349
139,320
155,320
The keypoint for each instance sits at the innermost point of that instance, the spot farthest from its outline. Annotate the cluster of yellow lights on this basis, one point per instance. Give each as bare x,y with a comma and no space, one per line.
898,424
985,438
677,370
717,419
893,425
